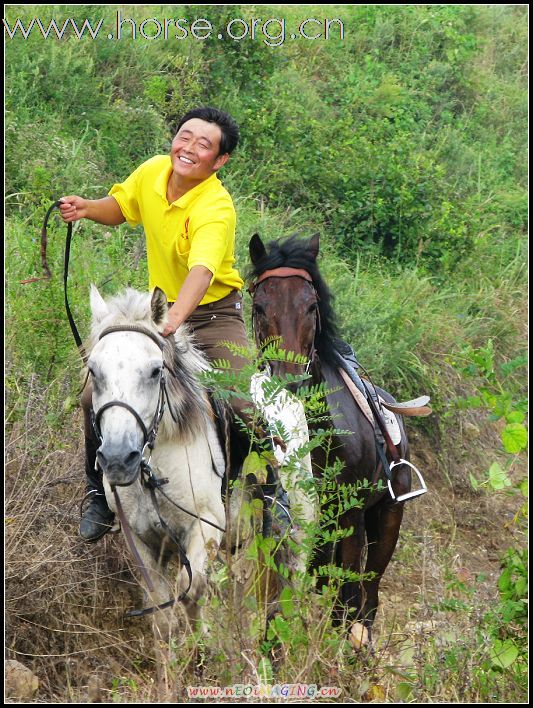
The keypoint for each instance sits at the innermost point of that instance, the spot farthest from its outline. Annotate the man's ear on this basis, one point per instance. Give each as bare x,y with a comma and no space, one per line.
220,161
159,306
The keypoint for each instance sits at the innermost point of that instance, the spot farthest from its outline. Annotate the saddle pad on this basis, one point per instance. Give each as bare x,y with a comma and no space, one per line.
359,398
391,422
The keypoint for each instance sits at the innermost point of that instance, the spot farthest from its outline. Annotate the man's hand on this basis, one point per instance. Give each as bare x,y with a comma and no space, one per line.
72,208
173,322
191,294
104,211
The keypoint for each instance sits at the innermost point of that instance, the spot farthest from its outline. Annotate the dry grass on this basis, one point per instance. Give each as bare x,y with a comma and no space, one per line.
66,601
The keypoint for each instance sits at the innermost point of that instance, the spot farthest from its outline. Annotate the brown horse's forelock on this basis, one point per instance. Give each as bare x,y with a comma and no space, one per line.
294,252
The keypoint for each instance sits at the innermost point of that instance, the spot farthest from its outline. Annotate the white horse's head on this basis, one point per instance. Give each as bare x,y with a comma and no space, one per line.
135,373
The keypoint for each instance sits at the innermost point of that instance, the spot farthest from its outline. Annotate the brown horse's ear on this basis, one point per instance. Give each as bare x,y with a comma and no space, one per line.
257,249
159,306
314,245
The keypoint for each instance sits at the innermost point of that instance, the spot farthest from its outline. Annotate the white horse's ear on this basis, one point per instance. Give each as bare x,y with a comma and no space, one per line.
99,307
159,306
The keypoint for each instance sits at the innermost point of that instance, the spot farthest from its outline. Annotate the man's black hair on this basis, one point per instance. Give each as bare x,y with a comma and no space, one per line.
229,128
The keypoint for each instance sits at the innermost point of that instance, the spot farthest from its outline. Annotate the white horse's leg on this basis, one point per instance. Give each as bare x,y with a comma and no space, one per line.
163,619
164,622
204,542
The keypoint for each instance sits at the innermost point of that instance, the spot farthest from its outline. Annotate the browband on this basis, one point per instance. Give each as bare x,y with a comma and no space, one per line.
282,272
134,328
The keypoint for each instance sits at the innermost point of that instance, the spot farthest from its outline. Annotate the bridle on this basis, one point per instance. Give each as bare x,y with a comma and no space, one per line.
287,272
149,434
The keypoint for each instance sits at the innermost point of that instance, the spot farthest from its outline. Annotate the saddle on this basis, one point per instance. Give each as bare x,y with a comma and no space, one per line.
416,407
382,415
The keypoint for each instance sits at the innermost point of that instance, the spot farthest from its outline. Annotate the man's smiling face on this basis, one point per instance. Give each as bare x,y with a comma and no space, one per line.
194,151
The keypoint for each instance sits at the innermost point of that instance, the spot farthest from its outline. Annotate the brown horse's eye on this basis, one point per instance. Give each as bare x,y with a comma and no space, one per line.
258,311
312,309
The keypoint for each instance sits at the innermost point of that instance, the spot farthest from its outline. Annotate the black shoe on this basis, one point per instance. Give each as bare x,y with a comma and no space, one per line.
97,519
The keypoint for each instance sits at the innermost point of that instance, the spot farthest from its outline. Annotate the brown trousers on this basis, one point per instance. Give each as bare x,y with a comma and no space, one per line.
212,324
217,322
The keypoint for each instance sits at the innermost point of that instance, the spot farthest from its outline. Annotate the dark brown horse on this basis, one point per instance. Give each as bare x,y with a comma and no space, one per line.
298,309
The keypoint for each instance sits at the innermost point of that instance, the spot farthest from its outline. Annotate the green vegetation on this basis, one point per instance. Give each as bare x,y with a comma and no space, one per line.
404,144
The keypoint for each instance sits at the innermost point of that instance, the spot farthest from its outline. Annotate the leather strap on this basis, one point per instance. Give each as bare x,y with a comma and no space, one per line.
133,549
282,272
358,396
379,420
44,262
131,543
134,328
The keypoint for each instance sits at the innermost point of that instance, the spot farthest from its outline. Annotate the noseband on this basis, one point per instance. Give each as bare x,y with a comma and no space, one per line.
286,272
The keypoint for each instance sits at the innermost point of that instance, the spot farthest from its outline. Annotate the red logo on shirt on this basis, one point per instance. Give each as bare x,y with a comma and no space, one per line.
186,234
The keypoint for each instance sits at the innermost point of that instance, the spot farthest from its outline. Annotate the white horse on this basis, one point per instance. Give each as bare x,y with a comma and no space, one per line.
154,420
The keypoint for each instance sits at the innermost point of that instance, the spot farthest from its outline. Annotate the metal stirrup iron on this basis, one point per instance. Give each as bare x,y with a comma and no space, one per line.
397,460
409,495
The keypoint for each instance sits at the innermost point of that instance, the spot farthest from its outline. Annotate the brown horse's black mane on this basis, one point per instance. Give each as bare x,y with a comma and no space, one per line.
294,252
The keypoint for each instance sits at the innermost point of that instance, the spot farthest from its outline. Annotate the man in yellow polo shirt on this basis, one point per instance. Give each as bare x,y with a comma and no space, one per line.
189,222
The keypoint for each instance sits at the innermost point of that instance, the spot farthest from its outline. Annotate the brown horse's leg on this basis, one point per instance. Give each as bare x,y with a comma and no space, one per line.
382,528
349,555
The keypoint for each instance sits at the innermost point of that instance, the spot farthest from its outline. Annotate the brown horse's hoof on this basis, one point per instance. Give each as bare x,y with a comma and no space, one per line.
359,636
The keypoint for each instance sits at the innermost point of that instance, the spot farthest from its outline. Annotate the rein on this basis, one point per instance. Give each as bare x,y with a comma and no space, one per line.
149,435
48,274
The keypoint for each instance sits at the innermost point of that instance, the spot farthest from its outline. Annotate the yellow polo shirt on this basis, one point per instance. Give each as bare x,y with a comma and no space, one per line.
196,229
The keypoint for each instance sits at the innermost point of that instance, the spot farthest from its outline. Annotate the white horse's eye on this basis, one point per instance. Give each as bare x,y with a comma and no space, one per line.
156,372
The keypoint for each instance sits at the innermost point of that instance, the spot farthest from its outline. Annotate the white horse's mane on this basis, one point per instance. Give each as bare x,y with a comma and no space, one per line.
187,398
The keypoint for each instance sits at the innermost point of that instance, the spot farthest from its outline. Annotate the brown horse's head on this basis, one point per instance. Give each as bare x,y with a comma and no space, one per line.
287,272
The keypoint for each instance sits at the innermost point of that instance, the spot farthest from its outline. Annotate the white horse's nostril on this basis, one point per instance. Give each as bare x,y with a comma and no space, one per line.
121,468
133,458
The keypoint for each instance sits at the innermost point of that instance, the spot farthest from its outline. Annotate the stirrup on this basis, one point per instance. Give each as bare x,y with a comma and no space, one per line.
410,495
286,525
